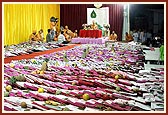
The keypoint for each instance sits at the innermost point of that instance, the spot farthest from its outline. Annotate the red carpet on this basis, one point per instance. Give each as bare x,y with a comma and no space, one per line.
29,56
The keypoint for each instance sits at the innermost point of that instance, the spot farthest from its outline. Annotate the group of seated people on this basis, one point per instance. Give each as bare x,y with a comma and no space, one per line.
113,37
69,34
37,36
64,35
92,26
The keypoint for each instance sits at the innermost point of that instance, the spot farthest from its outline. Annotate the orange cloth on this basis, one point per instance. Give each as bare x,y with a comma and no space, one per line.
68,34
75,35
39,37
113,37
56,39
33,37
94,27
67,37
129,38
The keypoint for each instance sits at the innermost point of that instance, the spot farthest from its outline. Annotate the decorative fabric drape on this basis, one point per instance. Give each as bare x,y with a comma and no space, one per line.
126,22
21,19
74,15
116,18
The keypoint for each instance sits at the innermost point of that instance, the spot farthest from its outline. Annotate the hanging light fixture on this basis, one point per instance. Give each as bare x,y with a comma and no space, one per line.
98,5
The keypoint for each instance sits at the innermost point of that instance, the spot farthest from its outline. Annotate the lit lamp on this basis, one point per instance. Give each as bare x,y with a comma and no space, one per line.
98,5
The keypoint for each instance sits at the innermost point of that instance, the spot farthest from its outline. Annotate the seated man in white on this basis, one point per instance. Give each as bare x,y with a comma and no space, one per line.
61,38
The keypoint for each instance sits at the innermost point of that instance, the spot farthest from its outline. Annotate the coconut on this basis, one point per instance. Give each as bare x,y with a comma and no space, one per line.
8,88
23,105
6,94
66,109
22,78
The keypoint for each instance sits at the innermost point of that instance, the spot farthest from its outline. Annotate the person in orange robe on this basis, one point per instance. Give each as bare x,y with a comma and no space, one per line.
66,30
128,37
94,25
33,36
113,36
40,36
56,36
68,34
76,33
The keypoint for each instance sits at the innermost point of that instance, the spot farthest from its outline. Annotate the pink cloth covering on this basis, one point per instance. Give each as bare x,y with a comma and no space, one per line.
89,40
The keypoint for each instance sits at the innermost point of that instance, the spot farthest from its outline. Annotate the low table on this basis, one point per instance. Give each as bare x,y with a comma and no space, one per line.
153,56
149,66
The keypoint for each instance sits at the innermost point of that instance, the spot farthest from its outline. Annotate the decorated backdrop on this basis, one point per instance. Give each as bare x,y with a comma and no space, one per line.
101,15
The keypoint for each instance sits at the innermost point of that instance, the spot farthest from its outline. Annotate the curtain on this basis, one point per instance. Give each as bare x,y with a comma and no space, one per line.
116,18
74,15
126,22
21,19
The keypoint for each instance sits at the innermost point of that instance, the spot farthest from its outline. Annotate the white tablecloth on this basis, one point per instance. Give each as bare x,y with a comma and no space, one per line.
152,55
149,66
